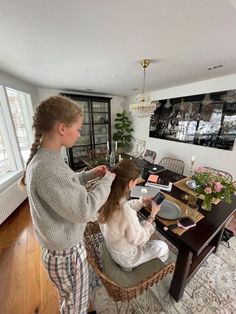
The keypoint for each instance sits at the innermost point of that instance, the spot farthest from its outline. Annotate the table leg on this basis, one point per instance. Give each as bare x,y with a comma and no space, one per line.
218,238
181,272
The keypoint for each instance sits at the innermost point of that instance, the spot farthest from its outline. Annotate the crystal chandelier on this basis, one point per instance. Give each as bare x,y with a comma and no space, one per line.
230,96
143,107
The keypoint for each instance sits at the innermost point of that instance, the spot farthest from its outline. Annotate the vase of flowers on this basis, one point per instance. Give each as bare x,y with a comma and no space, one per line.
212,186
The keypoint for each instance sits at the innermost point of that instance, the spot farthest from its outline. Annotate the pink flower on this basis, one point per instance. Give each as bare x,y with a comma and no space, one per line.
208,190
200,169
217,186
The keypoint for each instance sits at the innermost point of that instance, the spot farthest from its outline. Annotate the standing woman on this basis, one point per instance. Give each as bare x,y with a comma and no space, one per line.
60,205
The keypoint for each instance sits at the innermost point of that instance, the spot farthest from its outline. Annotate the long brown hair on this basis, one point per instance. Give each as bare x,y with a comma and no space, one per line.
125,171
48,113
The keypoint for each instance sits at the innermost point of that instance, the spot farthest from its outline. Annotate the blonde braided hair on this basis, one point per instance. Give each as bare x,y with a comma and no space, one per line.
50,111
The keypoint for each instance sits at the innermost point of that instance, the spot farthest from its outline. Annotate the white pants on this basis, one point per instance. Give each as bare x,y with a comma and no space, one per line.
139,255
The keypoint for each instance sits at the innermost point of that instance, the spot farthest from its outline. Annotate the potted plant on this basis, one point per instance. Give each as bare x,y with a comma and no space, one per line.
123,130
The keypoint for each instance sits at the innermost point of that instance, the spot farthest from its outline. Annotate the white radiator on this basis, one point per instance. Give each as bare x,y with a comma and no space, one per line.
10,199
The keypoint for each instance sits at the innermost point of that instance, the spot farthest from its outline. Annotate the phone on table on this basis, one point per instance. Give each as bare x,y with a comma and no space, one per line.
158,198
186,222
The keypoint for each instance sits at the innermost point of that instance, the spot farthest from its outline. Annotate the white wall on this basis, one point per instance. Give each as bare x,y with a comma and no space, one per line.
216,158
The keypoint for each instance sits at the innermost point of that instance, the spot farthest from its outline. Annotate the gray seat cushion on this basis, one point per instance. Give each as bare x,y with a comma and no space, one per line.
127,279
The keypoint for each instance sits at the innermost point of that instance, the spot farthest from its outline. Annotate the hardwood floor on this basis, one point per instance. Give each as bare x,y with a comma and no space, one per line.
24,285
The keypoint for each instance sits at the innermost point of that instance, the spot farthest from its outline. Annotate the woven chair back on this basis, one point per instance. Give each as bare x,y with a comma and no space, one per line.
227,175
172,164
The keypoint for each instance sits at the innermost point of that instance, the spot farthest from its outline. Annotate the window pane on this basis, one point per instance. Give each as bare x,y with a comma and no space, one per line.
4,162
22,121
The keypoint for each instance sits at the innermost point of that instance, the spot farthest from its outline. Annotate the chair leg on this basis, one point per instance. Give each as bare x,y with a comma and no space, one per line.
118,309
127,309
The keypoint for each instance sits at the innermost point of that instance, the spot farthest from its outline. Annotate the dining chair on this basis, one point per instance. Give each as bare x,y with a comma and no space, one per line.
139,147
121,285
221,172
172,164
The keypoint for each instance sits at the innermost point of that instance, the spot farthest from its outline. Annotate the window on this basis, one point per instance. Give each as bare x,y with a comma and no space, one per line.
15,132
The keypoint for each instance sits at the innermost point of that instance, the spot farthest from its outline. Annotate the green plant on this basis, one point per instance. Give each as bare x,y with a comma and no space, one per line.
123,130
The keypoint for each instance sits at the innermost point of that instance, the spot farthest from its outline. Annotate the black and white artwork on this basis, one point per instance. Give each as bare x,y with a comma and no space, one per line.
206,119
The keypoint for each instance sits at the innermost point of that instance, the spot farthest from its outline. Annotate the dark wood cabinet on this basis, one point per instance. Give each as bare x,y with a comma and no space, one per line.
95,132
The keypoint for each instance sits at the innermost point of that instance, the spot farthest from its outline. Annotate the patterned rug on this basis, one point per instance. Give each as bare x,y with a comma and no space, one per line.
211,290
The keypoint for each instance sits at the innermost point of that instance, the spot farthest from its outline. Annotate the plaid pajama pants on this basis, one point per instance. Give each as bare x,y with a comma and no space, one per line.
68,270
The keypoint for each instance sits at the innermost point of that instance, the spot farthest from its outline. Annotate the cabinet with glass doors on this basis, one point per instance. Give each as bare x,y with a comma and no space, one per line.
95,133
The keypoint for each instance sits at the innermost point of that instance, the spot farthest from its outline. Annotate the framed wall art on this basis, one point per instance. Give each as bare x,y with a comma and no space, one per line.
206,120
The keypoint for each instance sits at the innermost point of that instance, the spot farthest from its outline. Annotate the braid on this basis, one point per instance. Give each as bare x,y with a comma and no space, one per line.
33,151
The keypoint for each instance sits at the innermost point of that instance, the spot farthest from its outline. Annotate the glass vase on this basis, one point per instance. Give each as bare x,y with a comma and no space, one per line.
206,205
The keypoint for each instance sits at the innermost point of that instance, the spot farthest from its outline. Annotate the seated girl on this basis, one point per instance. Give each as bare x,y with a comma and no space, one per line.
128,240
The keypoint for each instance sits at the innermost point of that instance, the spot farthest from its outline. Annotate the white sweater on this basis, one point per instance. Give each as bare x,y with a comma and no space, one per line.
123,232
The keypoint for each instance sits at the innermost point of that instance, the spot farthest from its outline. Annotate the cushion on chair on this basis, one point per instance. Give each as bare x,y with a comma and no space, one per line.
123,278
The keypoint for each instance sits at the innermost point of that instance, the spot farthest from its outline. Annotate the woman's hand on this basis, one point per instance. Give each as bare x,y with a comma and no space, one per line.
147,200
155,209
99,170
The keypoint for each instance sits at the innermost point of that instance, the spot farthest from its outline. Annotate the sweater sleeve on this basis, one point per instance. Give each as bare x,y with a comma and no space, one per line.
69,199
85,176
136,233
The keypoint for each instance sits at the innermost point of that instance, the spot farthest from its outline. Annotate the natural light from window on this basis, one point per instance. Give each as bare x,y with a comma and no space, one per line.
16,135
20,114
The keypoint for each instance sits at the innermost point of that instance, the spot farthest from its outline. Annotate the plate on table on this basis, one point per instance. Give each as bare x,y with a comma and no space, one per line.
169,210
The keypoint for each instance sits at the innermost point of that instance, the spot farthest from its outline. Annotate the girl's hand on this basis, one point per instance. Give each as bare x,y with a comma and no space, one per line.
155,209
100,170
147,200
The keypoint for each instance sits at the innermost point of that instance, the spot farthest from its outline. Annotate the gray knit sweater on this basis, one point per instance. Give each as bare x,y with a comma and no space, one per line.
60,205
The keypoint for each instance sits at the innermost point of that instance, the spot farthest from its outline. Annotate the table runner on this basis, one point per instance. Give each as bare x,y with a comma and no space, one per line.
185,210
181,184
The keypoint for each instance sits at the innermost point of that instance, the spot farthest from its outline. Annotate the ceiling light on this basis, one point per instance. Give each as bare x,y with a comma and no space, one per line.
207,100
143,106
230,96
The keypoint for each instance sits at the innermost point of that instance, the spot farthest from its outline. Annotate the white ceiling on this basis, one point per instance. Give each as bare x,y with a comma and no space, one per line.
96,44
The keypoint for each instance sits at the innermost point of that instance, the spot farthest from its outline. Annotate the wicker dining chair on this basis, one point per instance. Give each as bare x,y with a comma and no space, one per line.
94,240
172,164
225,174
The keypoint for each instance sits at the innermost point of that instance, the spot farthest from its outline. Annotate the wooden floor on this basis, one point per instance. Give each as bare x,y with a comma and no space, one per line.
24,285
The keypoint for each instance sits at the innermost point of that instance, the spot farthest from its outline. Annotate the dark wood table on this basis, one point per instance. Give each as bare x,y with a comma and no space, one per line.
196,244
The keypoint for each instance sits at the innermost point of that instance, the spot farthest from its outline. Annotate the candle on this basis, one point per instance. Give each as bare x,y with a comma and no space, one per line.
193,158
115,145
108,145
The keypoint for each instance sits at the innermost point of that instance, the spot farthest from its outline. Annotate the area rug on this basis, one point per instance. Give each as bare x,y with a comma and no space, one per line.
211,290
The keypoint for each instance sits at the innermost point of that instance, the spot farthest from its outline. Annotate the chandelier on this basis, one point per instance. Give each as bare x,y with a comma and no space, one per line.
143,107
230,96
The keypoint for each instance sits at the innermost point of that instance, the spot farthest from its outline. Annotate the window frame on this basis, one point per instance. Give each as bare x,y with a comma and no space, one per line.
9,135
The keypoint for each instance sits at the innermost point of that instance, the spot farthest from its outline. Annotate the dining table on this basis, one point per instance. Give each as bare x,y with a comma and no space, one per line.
196,244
